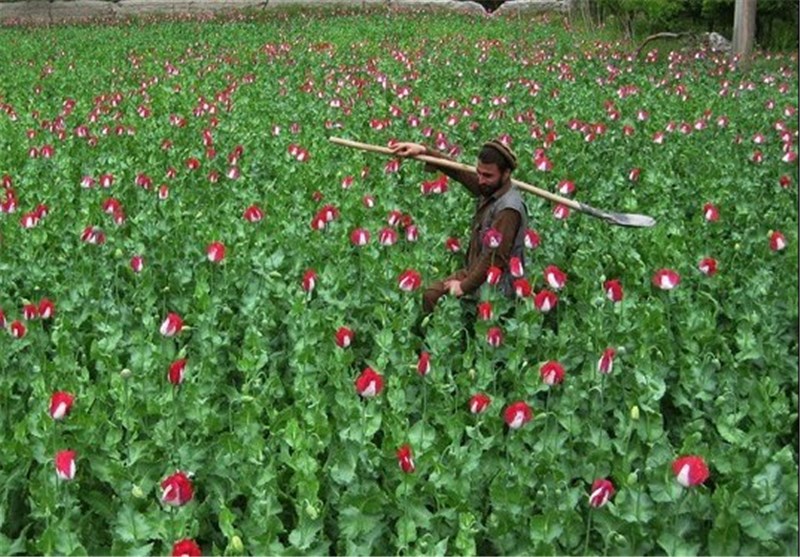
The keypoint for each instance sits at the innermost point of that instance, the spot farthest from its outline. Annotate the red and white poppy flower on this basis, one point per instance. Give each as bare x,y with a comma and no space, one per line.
532,239
777,241
492,239
309,280
387,237
517,414
177,489
666,279
409,280
515,267
493,275
61,404
172,325
344,337
708,266
522,288
690,470
613,289
369,383
552,372
359,237
65,465
137,263
424,364
452,245
478,403
484,311
253,213
17,329
555,277
710,212
405,459
602,491
215,252
186,548
494,337
606,362
545,300
30,312
177,370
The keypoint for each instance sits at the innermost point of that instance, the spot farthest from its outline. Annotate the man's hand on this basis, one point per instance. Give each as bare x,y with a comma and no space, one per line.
454,287
407,149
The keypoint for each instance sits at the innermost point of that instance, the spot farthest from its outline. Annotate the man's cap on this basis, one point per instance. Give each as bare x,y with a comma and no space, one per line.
504,150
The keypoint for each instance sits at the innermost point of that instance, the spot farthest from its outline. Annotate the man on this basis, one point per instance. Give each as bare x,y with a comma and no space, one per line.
499,206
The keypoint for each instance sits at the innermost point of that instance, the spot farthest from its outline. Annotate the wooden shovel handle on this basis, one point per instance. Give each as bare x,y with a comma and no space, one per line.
623,219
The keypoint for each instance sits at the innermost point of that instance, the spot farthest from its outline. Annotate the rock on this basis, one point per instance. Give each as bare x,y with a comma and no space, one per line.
132,7
454,5
43,11
311,3
716,41
532,6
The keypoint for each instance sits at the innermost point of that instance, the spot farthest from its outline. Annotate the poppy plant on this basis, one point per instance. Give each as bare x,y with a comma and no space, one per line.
545,300
666,279
369,383
602,491
409,280
708,266
215,252
61,404
690,470
186,548
176,372
552,372
606,362
344,337
555,277
405,459
172,325
65,465
517,414
479,402
177,489
424,364
613,290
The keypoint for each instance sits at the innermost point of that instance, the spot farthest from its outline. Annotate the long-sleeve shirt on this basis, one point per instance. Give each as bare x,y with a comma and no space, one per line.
507,222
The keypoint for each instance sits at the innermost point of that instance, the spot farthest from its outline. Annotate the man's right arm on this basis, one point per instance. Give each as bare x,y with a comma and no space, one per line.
468,179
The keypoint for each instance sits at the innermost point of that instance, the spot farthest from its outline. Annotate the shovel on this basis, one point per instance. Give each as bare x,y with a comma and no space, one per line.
622,219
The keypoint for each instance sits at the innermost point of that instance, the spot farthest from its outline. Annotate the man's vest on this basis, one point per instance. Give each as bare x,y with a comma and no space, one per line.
509,200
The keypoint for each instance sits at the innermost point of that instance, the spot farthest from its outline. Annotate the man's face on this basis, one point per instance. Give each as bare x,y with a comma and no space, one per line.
489,176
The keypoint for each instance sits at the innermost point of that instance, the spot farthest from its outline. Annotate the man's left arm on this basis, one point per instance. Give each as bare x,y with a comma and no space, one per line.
507,222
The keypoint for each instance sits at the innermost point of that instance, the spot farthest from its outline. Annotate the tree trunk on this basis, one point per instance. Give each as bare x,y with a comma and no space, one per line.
744,28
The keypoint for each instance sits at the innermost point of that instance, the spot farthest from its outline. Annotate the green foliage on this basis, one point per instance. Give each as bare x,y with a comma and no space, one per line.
287,459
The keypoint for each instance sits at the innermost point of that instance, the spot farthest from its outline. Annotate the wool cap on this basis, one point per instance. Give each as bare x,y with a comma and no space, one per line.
505,152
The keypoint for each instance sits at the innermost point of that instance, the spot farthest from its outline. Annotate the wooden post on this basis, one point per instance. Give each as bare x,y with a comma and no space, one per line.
744,28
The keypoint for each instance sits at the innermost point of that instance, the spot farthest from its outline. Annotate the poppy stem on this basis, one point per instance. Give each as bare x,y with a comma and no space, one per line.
588,531
363,423
424,410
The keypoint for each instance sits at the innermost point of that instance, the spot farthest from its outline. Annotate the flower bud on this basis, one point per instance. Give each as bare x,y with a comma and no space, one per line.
125,373
633,477
311,511
236,545
634,412
472,373
137,492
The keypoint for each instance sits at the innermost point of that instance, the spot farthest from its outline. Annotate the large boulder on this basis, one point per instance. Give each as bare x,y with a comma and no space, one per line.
42,11
312,3
532,6
134,7
466,6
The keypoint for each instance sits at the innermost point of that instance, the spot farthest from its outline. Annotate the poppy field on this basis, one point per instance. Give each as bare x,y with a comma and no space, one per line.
212,316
